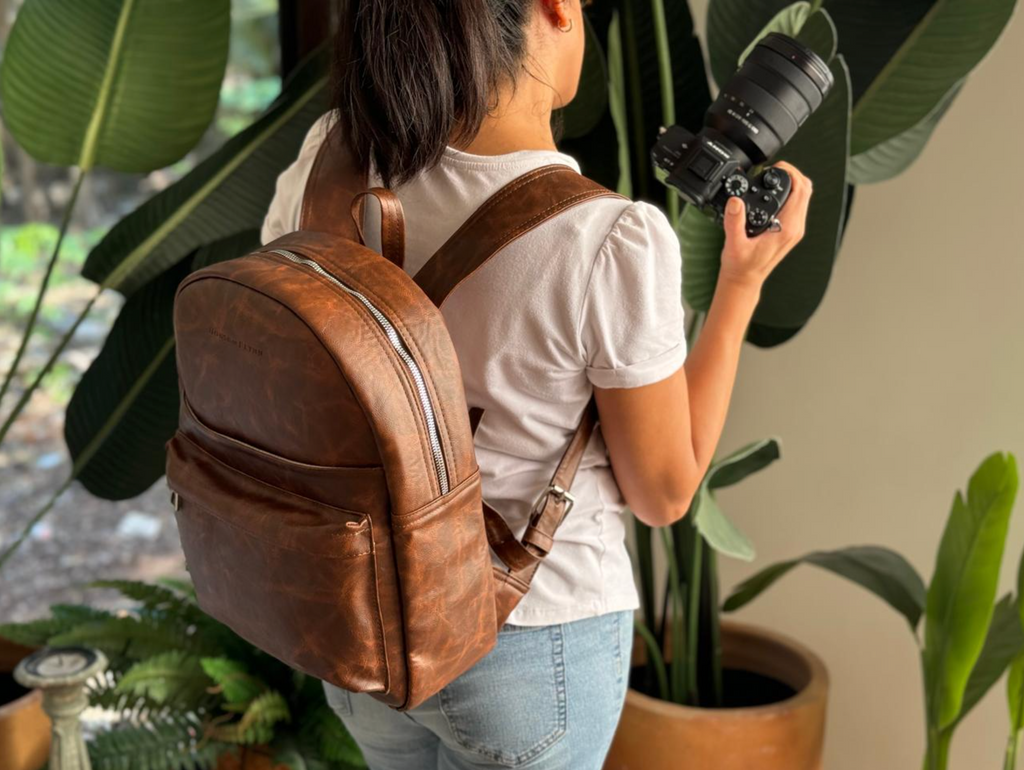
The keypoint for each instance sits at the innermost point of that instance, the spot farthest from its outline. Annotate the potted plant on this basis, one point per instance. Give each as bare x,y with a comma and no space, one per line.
24,728
969,639
189,692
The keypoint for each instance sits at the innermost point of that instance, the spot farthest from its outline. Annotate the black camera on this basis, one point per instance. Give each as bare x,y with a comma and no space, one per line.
781,83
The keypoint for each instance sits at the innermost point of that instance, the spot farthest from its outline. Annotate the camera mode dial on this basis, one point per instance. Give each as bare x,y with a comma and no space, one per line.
737,185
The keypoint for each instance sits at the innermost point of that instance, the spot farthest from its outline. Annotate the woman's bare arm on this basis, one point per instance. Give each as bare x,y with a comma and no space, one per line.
662,437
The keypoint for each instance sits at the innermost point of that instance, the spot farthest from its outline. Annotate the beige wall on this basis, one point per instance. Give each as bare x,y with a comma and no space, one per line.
911,373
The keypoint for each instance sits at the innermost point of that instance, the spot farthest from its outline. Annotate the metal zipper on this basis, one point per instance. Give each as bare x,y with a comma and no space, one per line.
403,352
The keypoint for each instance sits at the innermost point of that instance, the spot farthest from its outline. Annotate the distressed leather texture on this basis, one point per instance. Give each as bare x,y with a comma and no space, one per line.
304,475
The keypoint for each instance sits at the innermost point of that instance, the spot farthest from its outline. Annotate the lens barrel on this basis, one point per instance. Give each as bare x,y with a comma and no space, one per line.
781,83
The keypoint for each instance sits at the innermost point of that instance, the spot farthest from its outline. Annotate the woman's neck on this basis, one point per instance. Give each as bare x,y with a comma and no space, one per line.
522,121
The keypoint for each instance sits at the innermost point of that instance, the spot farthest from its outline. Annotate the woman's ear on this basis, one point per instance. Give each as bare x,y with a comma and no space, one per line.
559,13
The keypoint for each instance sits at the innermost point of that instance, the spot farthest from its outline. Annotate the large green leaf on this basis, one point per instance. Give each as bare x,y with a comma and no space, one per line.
582,114
963,588
125,407
227,193
743,462
870,31
127,84
701,240
881,571
717,529
1004,642
893,156
789,21
945,46
732,24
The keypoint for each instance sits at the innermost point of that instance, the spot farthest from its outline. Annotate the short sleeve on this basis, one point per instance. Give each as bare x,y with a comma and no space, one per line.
283,215
632,328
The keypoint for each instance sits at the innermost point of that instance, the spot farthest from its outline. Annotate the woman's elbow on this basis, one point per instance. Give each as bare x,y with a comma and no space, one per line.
662,510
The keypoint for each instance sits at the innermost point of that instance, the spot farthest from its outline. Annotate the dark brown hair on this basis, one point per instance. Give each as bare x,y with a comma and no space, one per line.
412,76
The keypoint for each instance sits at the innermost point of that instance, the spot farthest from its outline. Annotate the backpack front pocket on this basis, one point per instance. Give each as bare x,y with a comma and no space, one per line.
294,576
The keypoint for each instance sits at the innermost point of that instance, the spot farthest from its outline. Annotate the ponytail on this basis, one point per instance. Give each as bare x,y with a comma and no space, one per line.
412,76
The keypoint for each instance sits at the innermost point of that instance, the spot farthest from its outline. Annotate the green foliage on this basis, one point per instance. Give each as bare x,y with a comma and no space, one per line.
175,676
157,744
962,592
127,84
969,638
187,688
883,572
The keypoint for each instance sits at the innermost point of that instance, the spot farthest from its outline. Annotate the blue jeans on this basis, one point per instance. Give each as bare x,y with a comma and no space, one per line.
546,698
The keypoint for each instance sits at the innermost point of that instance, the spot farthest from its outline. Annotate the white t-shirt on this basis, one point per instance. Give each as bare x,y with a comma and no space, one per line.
590,297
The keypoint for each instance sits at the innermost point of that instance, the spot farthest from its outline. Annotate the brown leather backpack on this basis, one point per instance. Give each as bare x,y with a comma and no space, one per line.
323,473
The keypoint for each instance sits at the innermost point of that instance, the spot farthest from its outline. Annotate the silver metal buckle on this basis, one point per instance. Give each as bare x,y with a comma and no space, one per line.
560,494
175,500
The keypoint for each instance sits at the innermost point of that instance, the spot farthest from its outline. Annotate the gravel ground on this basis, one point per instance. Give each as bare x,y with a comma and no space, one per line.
82,538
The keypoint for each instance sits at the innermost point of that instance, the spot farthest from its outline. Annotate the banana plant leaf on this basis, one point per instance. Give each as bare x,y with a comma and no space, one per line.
1004,643
227,193
944,47
894,156
881,571
127,84
125,407
962,593
712,523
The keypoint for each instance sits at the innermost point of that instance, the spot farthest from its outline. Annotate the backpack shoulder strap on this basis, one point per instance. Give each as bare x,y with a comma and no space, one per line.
515,209
512,211
332,201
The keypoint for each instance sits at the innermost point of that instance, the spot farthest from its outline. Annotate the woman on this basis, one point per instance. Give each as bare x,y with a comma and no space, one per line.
446,101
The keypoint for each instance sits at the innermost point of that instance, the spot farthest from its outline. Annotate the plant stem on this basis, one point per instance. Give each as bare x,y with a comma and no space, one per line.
657,659
27,394
90,449
34,315
938,749
668,100
679,668
693,621
1012,746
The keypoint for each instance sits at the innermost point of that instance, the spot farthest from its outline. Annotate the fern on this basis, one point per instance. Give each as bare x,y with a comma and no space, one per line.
35,633
172,744
183,587
134,638
335,743
236,684
257,723
64,617
170,677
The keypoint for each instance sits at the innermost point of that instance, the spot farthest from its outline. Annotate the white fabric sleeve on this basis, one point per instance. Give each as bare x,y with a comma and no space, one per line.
631,328
285,207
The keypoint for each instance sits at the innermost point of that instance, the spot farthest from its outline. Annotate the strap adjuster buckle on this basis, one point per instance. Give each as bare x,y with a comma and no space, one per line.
553,490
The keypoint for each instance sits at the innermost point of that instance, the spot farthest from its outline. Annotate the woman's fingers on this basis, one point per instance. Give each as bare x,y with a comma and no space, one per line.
735,222
793,216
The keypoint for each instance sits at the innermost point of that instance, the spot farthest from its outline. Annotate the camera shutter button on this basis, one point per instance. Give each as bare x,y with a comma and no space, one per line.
772,180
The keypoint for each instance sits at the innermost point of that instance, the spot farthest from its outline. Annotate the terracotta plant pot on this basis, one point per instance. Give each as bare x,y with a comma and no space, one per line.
24,728
255,758
787,735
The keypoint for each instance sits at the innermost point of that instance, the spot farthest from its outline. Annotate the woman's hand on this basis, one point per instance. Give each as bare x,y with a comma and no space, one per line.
749,261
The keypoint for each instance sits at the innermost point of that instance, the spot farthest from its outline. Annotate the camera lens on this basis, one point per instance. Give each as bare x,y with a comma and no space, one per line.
778,87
